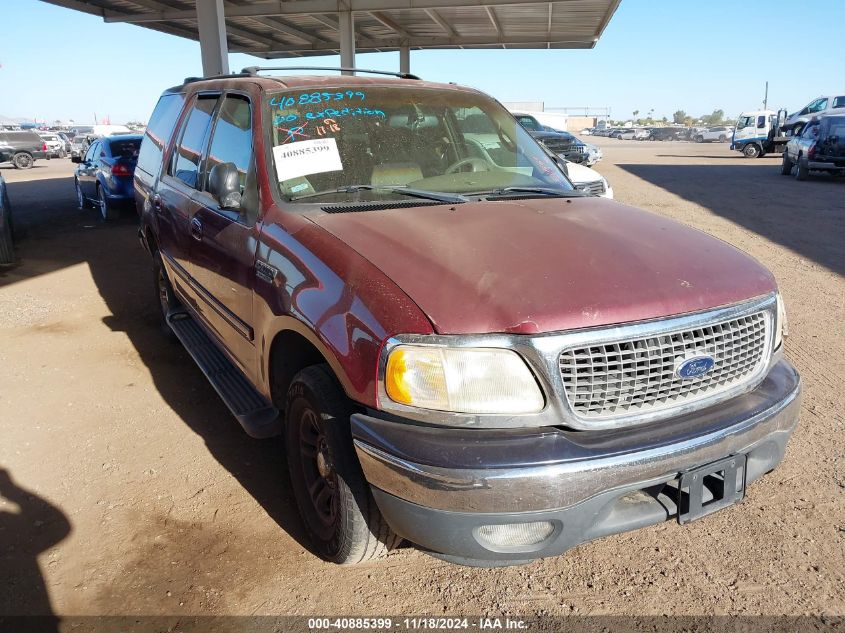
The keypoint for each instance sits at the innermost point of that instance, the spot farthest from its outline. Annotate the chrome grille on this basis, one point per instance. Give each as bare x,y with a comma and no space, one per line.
614,380
595,187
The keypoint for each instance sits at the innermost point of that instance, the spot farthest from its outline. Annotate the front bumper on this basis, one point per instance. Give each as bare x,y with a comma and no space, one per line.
437,486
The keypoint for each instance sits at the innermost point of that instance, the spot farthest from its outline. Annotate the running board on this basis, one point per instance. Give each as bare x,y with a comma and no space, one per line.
256,415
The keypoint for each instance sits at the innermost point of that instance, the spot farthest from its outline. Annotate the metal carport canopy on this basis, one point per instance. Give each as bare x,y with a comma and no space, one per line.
297,28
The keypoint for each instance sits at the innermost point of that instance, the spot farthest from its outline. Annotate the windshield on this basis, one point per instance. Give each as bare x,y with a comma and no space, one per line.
422,139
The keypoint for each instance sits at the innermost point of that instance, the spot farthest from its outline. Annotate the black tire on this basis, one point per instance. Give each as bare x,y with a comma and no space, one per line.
786,165
167,300
7,248
81,202
752,150
107,209
802,170
23,160
722,138
334,501
699,139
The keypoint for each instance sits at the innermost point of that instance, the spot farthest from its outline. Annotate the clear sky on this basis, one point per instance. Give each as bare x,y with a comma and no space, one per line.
693,55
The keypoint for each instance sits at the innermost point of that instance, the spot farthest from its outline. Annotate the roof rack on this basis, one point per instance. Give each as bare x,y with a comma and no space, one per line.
254,70
189,80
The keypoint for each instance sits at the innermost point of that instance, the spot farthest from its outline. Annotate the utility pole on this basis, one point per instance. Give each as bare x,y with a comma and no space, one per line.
766,97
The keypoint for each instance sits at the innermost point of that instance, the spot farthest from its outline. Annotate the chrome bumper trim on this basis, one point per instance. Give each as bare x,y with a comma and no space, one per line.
564,484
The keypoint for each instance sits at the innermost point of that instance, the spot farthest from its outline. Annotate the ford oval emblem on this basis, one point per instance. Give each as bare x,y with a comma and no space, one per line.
694,367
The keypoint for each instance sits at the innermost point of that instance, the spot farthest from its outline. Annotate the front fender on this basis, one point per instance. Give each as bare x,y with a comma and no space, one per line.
310,282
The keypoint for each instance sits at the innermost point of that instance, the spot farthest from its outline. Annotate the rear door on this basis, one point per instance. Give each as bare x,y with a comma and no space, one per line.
225,239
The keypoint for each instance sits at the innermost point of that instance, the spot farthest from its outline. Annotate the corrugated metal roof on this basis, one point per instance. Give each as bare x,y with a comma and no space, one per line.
295,28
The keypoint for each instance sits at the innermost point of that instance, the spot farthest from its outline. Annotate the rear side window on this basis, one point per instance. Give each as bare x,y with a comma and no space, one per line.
192,140
158,132
839,102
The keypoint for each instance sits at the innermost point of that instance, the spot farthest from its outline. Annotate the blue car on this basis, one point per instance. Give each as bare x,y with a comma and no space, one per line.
105,173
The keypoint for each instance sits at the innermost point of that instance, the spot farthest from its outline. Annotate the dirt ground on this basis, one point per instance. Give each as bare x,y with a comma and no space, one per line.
128,488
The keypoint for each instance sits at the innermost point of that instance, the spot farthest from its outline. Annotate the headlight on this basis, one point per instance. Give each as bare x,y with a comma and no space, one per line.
782,326
462,380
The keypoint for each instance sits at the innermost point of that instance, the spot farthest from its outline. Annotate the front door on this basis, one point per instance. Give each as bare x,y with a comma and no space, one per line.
224,238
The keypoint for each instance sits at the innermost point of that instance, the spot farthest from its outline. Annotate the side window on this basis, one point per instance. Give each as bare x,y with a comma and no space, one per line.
811,131
232,139
91,153
231,143
761,121
186,159
158,132
839,102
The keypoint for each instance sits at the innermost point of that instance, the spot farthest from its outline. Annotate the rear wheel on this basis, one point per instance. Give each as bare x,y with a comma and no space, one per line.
334,500
164,291
107,210
752,150
22,160
699,139
722,138
802,170
786,165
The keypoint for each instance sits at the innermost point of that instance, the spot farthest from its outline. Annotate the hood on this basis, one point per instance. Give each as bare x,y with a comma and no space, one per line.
545,265
579,174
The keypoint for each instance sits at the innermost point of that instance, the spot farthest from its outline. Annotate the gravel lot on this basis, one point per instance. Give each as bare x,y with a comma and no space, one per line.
130,489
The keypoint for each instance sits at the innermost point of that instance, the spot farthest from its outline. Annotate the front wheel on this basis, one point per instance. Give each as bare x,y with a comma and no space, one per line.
786,165
722,138
699,139
802,169
334,501
752,150
167,300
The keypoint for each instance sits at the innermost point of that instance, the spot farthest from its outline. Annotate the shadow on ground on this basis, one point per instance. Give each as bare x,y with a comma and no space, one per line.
29,526
63,236
808,219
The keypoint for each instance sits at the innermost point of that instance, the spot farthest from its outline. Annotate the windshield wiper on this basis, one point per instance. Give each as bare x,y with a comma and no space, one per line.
439,196
546,191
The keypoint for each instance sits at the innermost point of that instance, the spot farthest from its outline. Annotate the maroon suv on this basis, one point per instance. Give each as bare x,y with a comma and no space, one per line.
459,348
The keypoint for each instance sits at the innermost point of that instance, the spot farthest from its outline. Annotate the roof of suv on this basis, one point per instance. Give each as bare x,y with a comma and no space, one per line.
311,81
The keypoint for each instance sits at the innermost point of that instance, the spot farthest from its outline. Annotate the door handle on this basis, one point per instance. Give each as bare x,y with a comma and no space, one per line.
196,228
156,202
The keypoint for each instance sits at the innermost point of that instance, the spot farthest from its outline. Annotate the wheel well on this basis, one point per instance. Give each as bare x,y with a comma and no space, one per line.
152,245
290,353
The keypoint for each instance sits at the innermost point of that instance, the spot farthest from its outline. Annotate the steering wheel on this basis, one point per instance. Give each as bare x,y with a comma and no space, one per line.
474,161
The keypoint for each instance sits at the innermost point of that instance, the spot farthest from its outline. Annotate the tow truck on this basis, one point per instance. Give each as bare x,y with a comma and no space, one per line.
760,132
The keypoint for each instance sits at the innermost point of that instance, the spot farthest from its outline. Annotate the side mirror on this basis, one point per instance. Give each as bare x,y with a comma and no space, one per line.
224,183
76,159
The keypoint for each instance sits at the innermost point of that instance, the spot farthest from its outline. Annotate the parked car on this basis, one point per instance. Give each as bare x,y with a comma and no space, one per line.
817,107
55,145
820,147
7,249
664,133
719,133
642,134
78,145
626,133
66,139
561,143
588,180
21,148
459,348
587,131
105,173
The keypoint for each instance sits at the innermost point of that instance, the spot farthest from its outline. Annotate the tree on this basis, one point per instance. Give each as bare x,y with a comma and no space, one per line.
636,112
679,117
715,118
